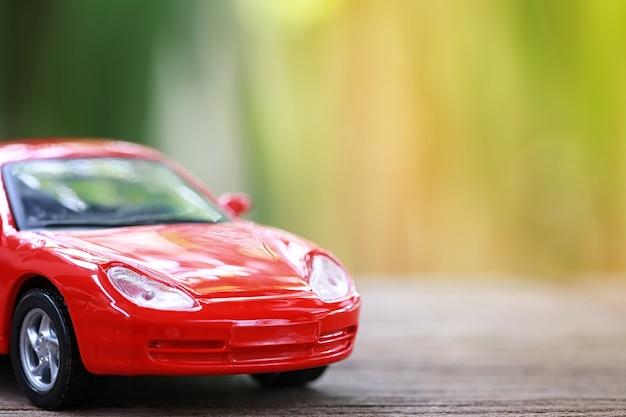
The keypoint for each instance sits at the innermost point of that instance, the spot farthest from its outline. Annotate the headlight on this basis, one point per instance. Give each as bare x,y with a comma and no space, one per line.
328,279
146,292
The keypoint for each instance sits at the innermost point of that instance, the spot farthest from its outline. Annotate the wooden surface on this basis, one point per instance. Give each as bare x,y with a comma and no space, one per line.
426,347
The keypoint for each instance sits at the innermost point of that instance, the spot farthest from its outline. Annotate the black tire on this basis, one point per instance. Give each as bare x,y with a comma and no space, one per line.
289,379
45,355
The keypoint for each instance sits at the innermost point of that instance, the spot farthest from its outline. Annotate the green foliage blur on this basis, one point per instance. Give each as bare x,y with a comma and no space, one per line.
81,68
408,136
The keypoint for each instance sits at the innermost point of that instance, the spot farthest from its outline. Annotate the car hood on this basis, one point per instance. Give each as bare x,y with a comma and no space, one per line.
208,260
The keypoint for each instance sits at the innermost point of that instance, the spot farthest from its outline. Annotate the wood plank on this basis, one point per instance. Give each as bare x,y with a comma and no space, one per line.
425,347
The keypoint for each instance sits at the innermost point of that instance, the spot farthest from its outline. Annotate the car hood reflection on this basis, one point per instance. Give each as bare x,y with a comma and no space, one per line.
209,260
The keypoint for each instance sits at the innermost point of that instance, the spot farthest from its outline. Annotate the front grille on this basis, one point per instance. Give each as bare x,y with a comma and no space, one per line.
254,344
200,351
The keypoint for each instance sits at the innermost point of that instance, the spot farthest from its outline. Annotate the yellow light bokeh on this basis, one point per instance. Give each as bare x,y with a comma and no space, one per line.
450,136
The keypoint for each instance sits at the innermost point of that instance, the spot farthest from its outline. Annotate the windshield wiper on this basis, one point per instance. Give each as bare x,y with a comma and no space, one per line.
72,223
138,221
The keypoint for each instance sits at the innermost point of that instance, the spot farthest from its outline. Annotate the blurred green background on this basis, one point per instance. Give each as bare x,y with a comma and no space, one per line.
407,136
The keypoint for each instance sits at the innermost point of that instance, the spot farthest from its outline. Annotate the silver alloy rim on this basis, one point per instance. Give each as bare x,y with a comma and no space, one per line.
39,350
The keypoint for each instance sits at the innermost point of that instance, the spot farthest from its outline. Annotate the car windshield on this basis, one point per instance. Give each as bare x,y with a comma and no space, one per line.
102,192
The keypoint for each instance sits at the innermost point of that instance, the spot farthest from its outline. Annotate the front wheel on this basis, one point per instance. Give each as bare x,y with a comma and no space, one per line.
289,379
44,352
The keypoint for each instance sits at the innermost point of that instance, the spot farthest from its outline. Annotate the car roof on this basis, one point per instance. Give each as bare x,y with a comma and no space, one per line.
21,150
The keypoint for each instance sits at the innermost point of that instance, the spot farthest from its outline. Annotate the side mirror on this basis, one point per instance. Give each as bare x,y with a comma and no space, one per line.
236,203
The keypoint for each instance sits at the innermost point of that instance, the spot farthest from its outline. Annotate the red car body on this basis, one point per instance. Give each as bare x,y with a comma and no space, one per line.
254,309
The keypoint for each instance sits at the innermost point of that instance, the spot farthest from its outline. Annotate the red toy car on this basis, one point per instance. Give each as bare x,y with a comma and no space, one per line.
115,261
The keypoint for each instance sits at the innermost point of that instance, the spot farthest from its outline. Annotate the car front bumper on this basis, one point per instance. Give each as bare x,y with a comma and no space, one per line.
227,336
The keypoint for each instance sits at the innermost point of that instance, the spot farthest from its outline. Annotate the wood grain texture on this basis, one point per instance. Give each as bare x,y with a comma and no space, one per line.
425,347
